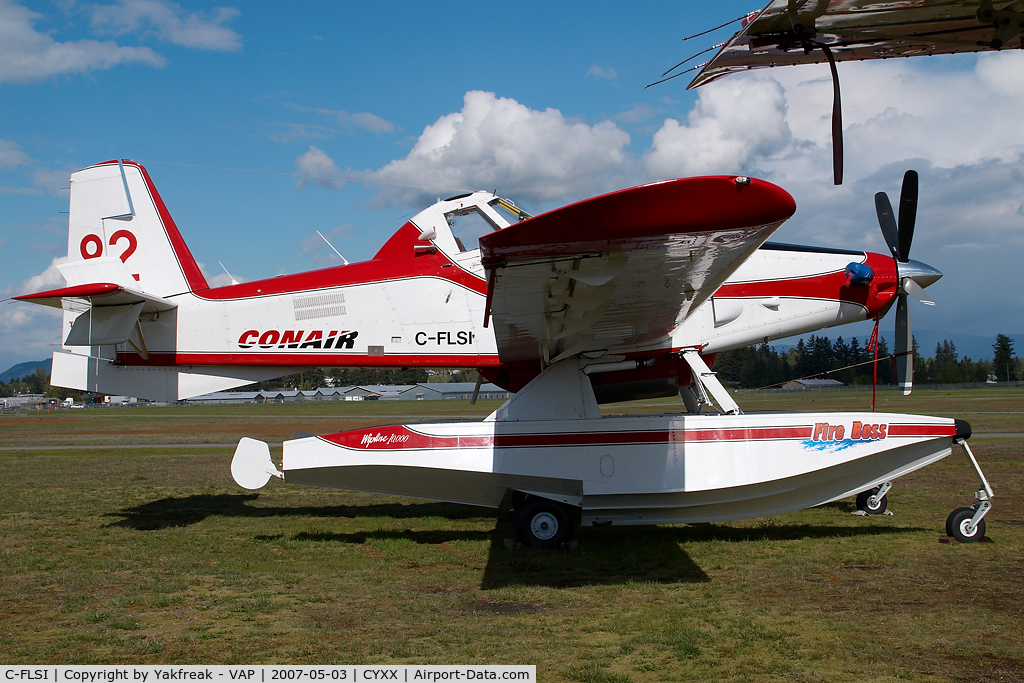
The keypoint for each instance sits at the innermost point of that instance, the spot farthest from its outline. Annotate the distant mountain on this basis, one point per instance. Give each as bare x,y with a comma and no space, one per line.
21,369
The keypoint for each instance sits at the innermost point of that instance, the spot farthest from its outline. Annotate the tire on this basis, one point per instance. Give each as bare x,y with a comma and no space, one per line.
543,523
864,496
956,526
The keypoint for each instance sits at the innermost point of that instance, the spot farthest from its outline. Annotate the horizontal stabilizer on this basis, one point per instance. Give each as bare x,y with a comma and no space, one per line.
100,294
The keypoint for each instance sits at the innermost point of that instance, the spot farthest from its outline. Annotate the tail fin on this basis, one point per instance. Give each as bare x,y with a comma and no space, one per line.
120,232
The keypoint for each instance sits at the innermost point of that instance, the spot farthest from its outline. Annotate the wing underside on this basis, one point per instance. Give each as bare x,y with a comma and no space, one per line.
618,273
790,32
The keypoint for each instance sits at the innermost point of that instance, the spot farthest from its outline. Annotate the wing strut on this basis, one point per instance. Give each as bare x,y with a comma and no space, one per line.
709,381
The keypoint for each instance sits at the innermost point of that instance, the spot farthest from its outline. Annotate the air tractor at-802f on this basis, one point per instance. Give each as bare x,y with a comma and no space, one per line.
623,296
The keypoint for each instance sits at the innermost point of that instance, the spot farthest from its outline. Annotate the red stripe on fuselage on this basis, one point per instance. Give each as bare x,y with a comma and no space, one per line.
829,286
313,359
403,438
922,430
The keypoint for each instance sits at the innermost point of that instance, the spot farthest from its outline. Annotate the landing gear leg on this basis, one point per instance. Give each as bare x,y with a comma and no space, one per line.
873,501
967,525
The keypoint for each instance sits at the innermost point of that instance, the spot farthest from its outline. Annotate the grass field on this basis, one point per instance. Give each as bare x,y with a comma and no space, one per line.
153,555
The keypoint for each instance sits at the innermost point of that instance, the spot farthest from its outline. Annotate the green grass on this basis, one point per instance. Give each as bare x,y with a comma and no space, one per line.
155,556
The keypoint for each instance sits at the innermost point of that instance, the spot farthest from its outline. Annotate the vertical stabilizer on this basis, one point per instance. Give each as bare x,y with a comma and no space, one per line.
119,231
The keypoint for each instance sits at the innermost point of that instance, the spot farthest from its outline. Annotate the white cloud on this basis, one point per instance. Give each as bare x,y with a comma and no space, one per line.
28,55
734,122
319,168
11,156
498,143
169,22
29,331
606,73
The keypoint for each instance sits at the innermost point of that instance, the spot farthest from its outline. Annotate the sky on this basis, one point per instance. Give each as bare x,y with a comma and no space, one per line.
388,106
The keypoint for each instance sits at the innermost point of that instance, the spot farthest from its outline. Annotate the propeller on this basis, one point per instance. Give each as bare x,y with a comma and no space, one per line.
912,276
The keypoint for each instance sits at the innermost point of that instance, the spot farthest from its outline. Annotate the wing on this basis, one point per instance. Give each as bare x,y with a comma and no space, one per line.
620,272
792,31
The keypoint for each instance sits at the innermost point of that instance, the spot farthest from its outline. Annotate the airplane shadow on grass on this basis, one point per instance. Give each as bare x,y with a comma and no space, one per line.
188,510
600,556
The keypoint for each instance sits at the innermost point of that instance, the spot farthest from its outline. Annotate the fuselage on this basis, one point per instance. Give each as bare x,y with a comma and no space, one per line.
421,301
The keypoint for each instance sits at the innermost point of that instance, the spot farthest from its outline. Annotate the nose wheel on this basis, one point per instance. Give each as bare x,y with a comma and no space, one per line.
967,525
874,501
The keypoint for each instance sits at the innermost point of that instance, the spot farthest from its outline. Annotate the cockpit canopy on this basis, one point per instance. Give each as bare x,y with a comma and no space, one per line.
452,223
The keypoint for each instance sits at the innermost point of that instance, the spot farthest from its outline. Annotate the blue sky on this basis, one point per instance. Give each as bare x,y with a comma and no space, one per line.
542,102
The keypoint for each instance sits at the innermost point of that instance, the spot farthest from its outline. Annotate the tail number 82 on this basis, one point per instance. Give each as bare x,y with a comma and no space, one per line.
92,245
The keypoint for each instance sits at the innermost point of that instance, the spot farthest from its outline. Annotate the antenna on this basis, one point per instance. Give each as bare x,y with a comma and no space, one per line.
332,247
233,280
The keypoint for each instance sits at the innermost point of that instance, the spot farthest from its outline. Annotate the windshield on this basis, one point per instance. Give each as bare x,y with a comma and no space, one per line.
508,210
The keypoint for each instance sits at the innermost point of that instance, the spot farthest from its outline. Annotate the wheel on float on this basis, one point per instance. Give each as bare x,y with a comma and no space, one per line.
957,526
543,523
864,502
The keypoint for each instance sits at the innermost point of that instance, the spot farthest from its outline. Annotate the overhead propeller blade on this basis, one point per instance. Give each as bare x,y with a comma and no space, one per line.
917,291
898,238
887,223
908,213
904,347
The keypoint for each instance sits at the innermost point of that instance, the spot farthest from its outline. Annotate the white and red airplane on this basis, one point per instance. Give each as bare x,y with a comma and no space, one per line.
622,296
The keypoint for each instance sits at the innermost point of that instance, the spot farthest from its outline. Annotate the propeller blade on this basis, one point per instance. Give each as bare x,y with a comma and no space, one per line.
908,213
837,119
917,291
904,347
887,223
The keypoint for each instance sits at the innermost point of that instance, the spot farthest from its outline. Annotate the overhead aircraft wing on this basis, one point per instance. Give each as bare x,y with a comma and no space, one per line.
618,273
789,32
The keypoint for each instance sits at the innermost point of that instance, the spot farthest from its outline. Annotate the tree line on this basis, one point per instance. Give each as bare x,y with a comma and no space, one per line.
851,362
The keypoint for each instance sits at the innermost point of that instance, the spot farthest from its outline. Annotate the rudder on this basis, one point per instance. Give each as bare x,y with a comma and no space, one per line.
120,231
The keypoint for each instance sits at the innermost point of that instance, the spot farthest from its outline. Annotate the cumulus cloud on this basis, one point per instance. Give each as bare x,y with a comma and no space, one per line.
29,331
169,22
28,55
316,167
496,142
733,122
